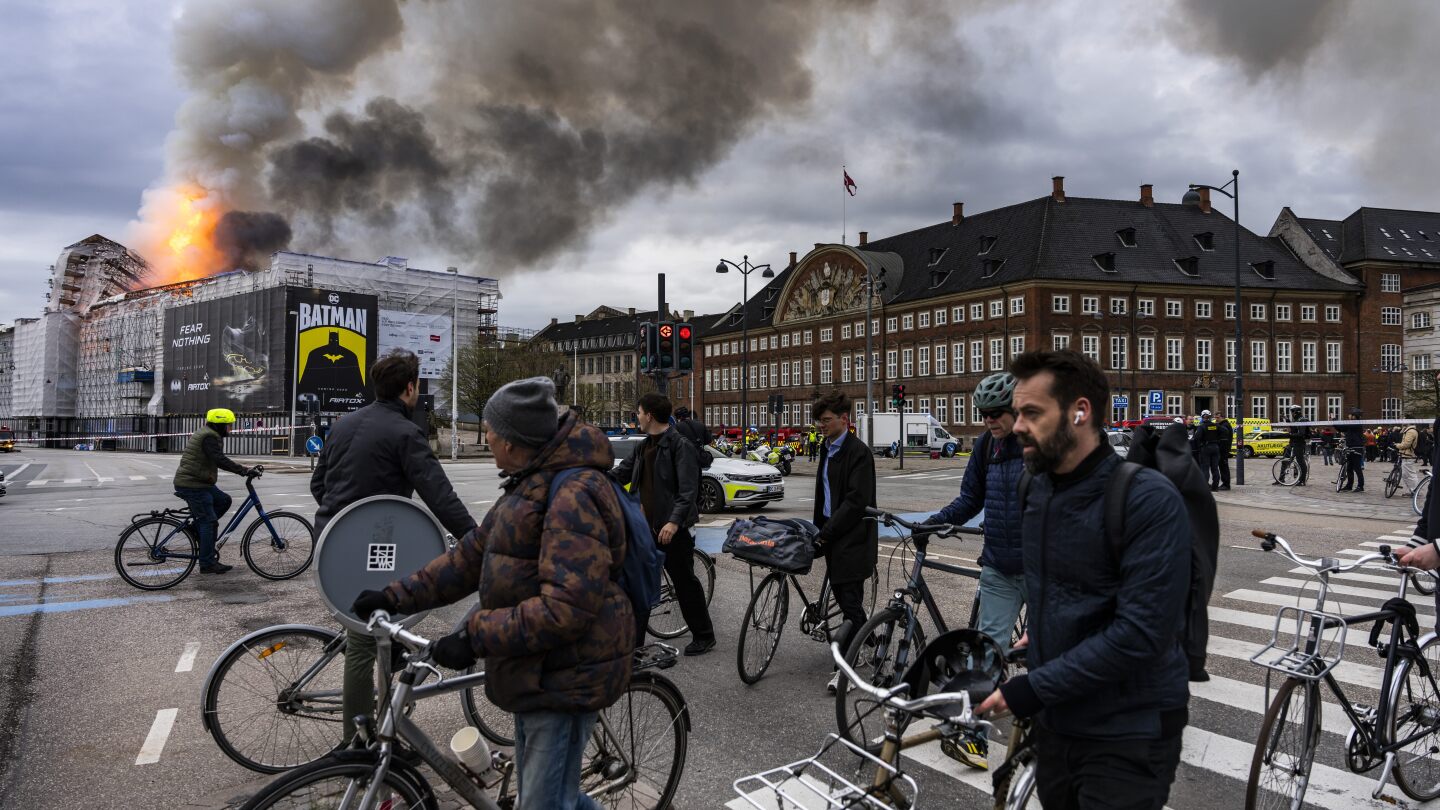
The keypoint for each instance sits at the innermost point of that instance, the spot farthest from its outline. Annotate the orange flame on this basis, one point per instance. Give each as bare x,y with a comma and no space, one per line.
179,241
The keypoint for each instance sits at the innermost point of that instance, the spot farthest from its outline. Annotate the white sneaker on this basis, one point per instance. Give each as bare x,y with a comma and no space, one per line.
834,683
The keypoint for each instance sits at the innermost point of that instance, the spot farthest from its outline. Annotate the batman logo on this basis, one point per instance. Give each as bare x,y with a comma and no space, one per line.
334,358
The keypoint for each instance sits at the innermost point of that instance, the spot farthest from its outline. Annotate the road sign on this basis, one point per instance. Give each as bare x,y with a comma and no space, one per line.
313,445
1157,400
1121,401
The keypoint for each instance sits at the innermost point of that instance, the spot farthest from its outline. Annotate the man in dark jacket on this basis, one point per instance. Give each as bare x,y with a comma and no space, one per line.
195,480
553,624
378,450
1107,679
1299,445
844,487
664,473
1227,450
1207,439
1355,450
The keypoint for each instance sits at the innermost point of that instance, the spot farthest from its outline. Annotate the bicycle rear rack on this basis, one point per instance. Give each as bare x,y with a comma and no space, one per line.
809,784
1292,659
183,514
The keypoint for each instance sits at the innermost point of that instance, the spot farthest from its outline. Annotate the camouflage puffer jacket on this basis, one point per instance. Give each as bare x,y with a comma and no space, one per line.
554,626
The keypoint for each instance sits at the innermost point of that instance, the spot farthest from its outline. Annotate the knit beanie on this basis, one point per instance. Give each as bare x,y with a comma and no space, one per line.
524,411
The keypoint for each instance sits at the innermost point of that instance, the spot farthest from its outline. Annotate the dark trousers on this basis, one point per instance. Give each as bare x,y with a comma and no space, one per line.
1224,469
206,508
850,596
1078,774
1301,458
1210,463
680,565
1354,471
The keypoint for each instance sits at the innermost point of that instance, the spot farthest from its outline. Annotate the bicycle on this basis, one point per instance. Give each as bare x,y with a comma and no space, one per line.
769,608
1286,470
1349,456
883,647
149,547
1393,479
1401,735
382,768
810,783
1421,494
665,619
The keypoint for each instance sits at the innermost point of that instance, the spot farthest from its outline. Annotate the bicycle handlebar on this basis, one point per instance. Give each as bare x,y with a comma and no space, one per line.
892,697
1271,541
939,529
381,619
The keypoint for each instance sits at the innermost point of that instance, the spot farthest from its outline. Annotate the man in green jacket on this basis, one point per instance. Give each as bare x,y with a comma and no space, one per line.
195,482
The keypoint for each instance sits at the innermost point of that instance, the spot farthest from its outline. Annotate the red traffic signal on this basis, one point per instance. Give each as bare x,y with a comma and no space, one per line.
684,333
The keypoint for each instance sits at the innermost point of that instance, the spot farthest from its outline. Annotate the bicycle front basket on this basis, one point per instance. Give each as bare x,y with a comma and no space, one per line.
784,545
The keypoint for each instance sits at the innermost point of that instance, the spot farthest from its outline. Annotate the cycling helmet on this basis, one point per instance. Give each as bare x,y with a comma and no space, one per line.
220,416
995,391
963,660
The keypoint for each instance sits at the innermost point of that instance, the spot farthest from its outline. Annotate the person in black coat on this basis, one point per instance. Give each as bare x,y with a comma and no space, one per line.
844,487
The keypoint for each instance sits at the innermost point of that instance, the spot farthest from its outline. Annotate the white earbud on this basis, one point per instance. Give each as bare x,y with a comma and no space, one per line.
1079,417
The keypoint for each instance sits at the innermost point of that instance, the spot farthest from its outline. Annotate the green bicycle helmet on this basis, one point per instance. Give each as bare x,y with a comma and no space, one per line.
995,391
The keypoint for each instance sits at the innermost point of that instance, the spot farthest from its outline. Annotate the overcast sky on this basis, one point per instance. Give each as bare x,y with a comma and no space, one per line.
1323,106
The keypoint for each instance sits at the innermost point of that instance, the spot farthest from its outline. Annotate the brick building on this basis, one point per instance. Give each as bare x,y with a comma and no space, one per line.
1145,288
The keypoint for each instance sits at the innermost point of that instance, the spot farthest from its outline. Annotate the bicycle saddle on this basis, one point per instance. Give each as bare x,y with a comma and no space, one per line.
961,660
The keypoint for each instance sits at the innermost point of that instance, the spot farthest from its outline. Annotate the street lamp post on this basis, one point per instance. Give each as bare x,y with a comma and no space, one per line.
745,268
1192,197
873,284
454,363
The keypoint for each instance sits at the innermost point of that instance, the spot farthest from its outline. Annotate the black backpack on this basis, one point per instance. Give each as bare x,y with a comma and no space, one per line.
1425,445
695,431
1168,452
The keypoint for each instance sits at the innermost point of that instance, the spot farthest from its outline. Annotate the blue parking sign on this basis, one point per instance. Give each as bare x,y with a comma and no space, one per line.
1157,400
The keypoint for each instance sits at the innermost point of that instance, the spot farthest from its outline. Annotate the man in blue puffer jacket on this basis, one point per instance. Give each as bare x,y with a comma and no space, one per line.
1108,678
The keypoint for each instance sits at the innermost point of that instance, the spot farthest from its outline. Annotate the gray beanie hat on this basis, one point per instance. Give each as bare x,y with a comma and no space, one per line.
524,411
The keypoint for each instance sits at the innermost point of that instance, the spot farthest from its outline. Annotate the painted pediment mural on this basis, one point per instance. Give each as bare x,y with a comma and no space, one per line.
832,285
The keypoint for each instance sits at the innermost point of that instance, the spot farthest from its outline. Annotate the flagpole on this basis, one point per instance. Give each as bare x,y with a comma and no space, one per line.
844,192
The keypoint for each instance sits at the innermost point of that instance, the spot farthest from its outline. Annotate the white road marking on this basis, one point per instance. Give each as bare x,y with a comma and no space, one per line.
19,470
1331,606
155,740
187,658
1343,590
102,479
39,482
1393,580
1330,788
94,473
71,481
479,502
137,478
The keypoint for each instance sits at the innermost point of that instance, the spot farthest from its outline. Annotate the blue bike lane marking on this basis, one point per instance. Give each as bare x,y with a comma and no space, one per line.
17,583
84,604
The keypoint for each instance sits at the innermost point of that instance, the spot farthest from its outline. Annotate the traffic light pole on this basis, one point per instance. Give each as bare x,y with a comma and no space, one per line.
662,380
902,433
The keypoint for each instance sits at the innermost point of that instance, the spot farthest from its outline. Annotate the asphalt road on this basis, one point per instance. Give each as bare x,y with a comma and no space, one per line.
91,669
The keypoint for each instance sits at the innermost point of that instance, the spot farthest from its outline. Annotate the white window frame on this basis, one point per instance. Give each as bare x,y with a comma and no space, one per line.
997,308
1145,307
1259,356
1389,282
892,325
1334,406
957,313
1333,357
1146,347
1204,354
1284,356
940,316
1308,353
1260,406
892,364
827,334
997,354
1282,312
1307,313
977,356
1174,308
1257,312
907,322
827,373
1017,345
1204,309
977,311
1332,313
1390,316
1017,305
923,319
844,331
1174,405
907,363
1089,304
1090,347
1060,304
942,364
922,361
957,357
1060,341
1119,352
1119,306
1174,354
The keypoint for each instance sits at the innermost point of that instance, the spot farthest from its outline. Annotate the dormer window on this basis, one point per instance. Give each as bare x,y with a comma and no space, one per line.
1190,266
937,277
936,254
770,293
1105,261
990,267
1205,240
1265,269
1126,236
986,242
766,313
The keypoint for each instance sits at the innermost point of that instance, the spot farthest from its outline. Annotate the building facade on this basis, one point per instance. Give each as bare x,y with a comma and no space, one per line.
1144,288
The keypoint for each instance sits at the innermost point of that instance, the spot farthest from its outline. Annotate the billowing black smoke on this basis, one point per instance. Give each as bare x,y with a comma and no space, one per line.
247,238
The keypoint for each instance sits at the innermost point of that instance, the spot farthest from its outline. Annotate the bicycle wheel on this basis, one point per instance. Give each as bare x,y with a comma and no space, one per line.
875,654
706,573
1392,482
1021,790
328,782
1420,496
1415,709
1285,472
496,724
643,739
285,552
156,553
1285,749
274,700
760,631
830,610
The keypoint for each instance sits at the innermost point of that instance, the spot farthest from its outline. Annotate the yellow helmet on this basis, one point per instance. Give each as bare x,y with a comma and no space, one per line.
220,416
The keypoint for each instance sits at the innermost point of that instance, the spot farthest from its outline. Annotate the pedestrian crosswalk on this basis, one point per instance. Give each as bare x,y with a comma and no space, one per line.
1226,712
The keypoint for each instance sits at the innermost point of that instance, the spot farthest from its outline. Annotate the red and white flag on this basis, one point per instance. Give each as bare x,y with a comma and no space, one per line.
849,184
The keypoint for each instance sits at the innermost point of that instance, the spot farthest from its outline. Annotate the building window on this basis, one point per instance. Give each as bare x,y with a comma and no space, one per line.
1147,353
1310,408
1145,307
907,364
1089,304
827,334
845,331
1202,309
1307,312
924,405
892,324
940,317
775,372
1419,320
1017,345
859,408
891,368
958,355
1332,313
874,365
958,402
1334,406
1202,354
1060,342
1259,407
922,355
1118,306
1282,312
942,414
957,314
1174,354
1229,354
924,320
1282,356
1390,282
772,341
1119,352
1390,408
1017,305
785,341
1332,356
997,354
1174,403
977,356
1389,356
1257,312
1229,310
997,308
1174,308
1390,316
1258,356
809,336
826,371
907,321
1282,405
1090,346
809,377
1060,304
859,330
844,368
1307,357
941,366
874,326
974,412
859,368
977,312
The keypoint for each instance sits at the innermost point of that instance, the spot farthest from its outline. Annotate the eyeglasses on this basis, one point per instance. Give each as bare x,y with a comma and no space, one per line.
995,413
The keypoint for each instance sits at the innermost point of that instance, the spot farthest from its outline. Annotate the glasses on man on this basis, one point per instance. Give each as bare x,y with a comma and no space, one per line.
994,413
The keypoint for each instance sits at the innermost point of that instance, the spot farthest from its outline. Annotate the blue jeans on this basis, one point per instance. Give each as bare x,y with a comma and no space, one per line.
548,748
206,508
1001,597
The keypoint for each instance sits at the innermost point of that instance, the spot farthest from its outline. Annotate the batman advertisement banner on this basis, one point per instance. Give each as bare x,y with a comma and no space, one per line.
226,353
336,337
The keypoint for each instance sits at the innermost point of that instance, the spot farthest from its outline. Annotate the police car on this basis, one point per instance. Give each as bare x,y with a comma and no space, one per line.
726,482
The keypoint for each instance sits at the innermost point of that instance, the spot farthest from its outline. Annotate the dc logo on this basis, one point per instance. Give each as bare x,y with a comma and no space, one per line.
334,298
175,386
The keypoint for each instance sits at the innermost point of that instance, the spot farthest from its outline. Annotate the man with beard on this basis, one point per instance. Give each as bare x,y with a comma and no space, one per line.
1107,679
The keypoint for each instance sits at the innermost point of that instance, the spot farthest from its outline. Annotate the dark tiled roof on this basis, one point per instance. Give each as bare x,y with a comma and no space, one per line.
1327,233
1391,235
623,326
759,310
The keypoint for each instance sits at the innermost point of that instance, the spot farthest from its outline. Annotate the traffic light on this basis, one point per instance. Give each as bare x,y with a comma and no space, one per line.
666,332
684,353
649,348
897,396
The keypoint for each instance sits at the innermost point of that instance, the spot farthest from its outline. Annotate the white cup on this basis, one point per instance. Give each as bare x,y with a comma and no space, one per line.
472,751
